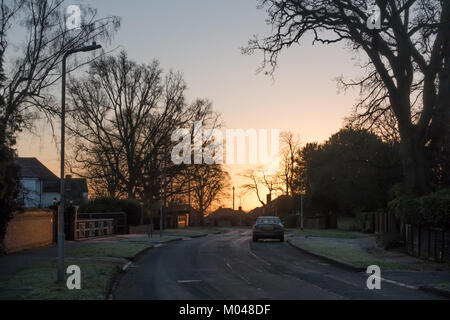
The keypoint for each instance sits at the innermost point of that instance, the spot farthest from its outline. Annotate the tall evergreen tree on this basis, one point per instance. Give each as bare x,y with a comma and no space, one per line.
8,169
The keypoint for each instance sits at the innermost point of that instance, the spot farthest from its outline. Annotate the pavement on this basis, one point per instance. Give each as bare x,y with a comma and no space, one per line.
231,266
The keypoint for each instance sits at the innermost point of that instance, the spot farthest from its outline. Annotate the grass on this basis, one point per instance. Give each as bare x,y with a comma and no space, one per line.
125,250
328,233
39,283
444,286
348,253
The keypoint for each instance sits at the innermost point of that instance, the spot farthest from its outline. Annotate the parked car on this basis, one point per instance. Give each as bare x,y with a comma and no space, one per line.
268,228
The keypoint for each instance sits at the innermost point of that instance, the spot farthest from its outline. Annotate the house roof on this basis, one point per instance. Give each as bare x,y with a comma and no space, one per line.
223,211
33,168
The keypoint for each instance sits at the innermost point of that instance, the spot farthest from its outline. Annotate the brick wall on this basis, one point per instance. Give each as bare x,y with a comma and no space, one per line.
30,229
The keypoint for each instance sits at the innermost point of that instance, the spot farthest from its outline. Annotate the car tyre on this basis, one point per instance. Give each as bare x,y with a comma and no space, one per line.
282,239
255,239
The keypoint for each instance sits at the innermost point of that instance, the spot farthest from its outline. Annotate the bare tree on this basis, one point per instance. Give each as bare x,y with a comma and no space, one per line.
291,147
407,69
206,183
208,186
122,114
36,69
254,185
33,69
260,179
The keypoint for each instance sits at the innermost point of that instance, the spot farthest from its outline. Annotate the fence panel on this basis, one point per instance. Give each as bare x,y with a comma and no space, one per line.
446,250
428,243
94,228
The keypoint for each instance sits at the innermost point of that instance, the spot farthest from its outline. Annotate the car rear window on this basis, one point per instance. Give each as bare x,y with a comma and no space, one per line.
268,220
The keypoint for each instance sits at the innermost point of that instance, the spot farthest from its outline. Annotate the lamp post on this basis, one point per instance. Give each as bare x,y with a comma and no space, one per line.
233,196
301,203
163,207
61,236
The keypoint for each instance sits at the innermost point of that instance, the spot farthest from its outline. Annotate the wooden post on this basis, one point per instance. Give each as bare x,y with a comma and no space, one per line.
75,223
419,238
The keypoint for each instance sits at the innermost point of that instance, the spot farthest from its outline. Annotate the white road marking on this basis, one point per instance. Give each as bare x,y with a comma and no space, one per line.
399,284
189,281
257,257
125,267
237,274
158,245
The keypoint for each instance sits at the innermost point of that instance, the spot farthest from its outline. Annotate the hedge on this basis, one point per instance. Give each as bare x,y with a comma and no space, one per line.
132,208
432,210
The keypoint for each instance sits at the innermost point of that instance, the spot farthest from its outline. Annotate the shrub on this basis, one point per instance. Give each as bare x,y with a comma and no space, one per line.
432,210
132,208
364,221
389,240
9,189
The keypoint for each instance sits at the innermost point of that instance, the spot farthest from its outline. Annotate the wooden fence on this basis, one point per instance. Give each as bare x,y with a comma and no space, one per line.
92,228
385,222
428,243
120,220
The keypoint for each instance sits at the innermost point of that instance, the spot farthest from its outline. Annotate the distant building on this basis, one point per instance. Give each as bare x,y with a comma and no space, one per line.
76,190
40,187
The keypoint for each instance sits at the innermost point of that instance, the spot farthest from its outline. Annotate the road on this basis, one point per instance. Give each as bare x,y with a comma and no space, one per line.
231,266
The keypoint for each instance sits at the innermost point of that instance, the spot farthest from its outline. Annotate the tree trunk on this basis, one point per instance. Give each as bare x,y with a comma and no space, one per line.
415,168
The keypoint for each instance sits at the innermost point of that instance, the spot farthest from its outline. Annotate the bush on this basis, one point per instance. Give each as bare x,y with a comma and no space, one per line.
389,240
364,222
432,210
132,208
9,189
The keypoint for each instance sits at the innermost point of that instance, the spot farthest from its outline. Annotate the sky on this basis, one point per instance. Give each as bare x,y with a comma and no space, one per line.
202,39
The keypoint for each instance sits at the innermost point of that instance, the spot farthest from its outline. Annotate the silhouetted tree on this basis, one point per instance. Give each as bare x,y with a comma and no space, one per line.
208,186
353,170
407,70
261,180
122,117
35,68
8,173
291,146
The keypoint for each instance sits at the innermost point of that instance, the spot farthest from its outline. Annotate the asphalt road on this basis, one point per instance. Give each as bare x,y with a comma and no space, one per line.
231,266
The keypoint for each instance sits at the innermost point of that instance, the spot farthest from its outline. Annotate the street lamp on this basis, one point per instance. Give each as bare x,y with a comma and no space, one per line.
301,203
61,237
233,196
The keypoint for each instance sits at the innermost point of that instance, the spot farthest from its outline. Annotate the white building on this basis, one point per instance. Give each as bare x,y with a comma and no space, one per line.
39,186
